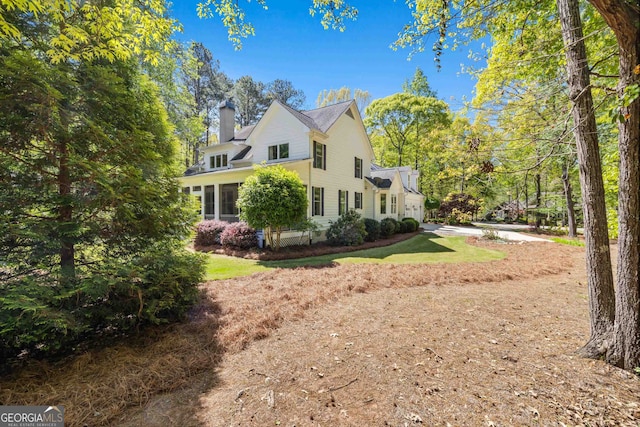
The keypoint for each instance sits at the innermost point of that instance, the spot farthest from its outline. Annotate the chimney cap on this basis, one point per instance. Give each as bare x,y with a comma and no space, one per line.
227,104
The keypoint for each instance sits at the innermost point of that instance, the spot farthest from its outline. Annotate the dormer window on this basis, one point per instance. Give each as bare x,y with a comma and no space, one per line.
279,151
218,161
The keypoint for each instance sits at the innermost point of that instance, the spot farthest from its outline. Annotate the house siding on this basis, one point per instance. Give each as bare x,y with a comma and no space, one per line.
344,143
278,126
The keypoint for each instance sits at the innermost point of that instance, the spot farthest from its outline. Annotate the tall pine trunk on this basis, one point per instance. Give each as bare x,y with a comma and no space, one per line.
623,18
599,273
568,194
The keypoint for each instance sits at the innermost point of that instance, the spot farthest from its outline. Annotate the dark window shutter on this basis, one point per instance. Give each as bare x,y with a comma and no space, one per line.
322,199
324,157
315,158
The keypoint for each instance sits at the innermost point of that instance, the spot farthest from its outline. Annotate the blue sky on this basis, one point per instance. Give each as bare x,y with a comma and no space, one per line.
290,44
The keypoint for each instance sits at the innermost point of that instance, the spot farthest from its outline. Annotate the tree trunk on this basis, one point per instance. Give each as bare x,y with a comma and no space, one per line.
65,215
526,195
599,274
538,184
568,194
623,19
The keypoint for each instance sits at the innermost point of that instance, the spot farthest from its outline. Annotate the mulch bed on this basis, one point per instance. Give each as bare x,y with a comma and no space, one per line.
303,251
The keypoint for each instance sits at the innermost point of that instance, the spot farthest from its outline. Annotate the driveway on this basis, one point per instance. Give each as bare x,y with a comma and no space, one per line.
505,231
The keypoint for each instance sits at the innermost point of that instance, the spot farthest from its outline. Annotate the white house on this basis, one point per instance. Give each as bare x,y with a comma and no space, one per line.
328,147
396,193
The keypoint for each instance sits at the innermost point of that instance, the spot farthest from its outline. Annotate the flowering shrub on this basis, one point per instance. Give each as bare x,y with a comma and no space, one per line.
208,232
239,235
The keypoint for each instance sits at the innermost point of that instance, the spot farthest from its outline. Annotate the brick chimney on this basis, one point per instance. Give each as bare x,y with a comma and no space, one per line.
227,121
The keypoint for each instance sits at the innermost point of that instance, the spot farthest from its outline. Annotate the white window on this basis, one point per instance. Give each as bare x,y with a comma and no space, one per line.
343,202
279,151
358,200
319,155
318,201
394,204
218,161
358,168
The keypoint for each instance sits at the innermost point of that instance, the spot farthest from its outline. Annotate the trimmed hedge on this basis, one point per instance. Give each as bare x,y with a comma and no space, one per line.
372,227
413,225
388,227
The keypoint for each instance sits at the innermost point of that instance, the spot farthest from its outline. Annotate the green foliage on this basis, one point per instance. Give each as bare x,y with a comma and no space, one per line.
249,99
333,14
40,317
568,241
117,30
419,85
283,91
272,198
490,234
431,203
388,227
348,230
372,227
307,227
92,222
459,208
412,224
402,119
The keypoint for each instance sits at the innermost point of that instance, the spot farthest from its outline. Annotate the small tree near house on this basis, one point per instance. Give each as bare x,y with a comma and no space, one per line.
272,198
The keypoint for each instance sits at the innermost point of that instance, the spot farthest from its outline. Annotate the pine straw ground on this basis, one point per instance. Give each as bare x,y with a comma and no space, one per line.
354,345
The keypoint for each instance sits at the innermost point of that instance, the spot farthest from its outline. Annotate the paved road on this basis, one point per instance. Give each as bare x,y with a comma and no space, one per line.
505,231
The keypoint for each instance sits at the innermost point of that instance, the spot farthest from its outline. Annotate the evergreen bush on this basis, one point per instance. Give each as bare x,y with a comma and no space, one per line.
372,227
388,227
413,224
348,230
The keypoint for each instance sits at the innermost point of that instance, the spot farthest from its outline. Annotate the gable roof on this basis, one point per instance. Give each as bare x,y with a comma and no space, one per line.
242,153
320,119
389,174
379,182
325,117
243,133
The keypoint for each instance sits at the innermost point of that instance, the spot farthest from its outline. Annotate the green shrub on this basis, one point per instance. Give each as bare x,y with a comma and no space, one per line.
388,227
41,316
413,224
402,227
348,230
372,227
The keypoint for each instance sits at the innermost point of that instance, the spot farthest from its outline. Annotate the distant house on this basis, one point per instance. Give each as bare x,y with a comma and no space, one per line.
328,147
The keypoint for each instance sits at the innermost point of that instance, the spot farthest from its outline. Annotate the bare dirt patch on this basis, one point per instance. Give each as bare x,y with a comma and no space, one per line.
470,344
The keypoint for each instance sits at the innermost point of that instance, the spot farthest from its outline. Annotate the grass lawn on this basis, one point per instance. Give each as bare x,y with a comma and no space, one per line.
423,248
